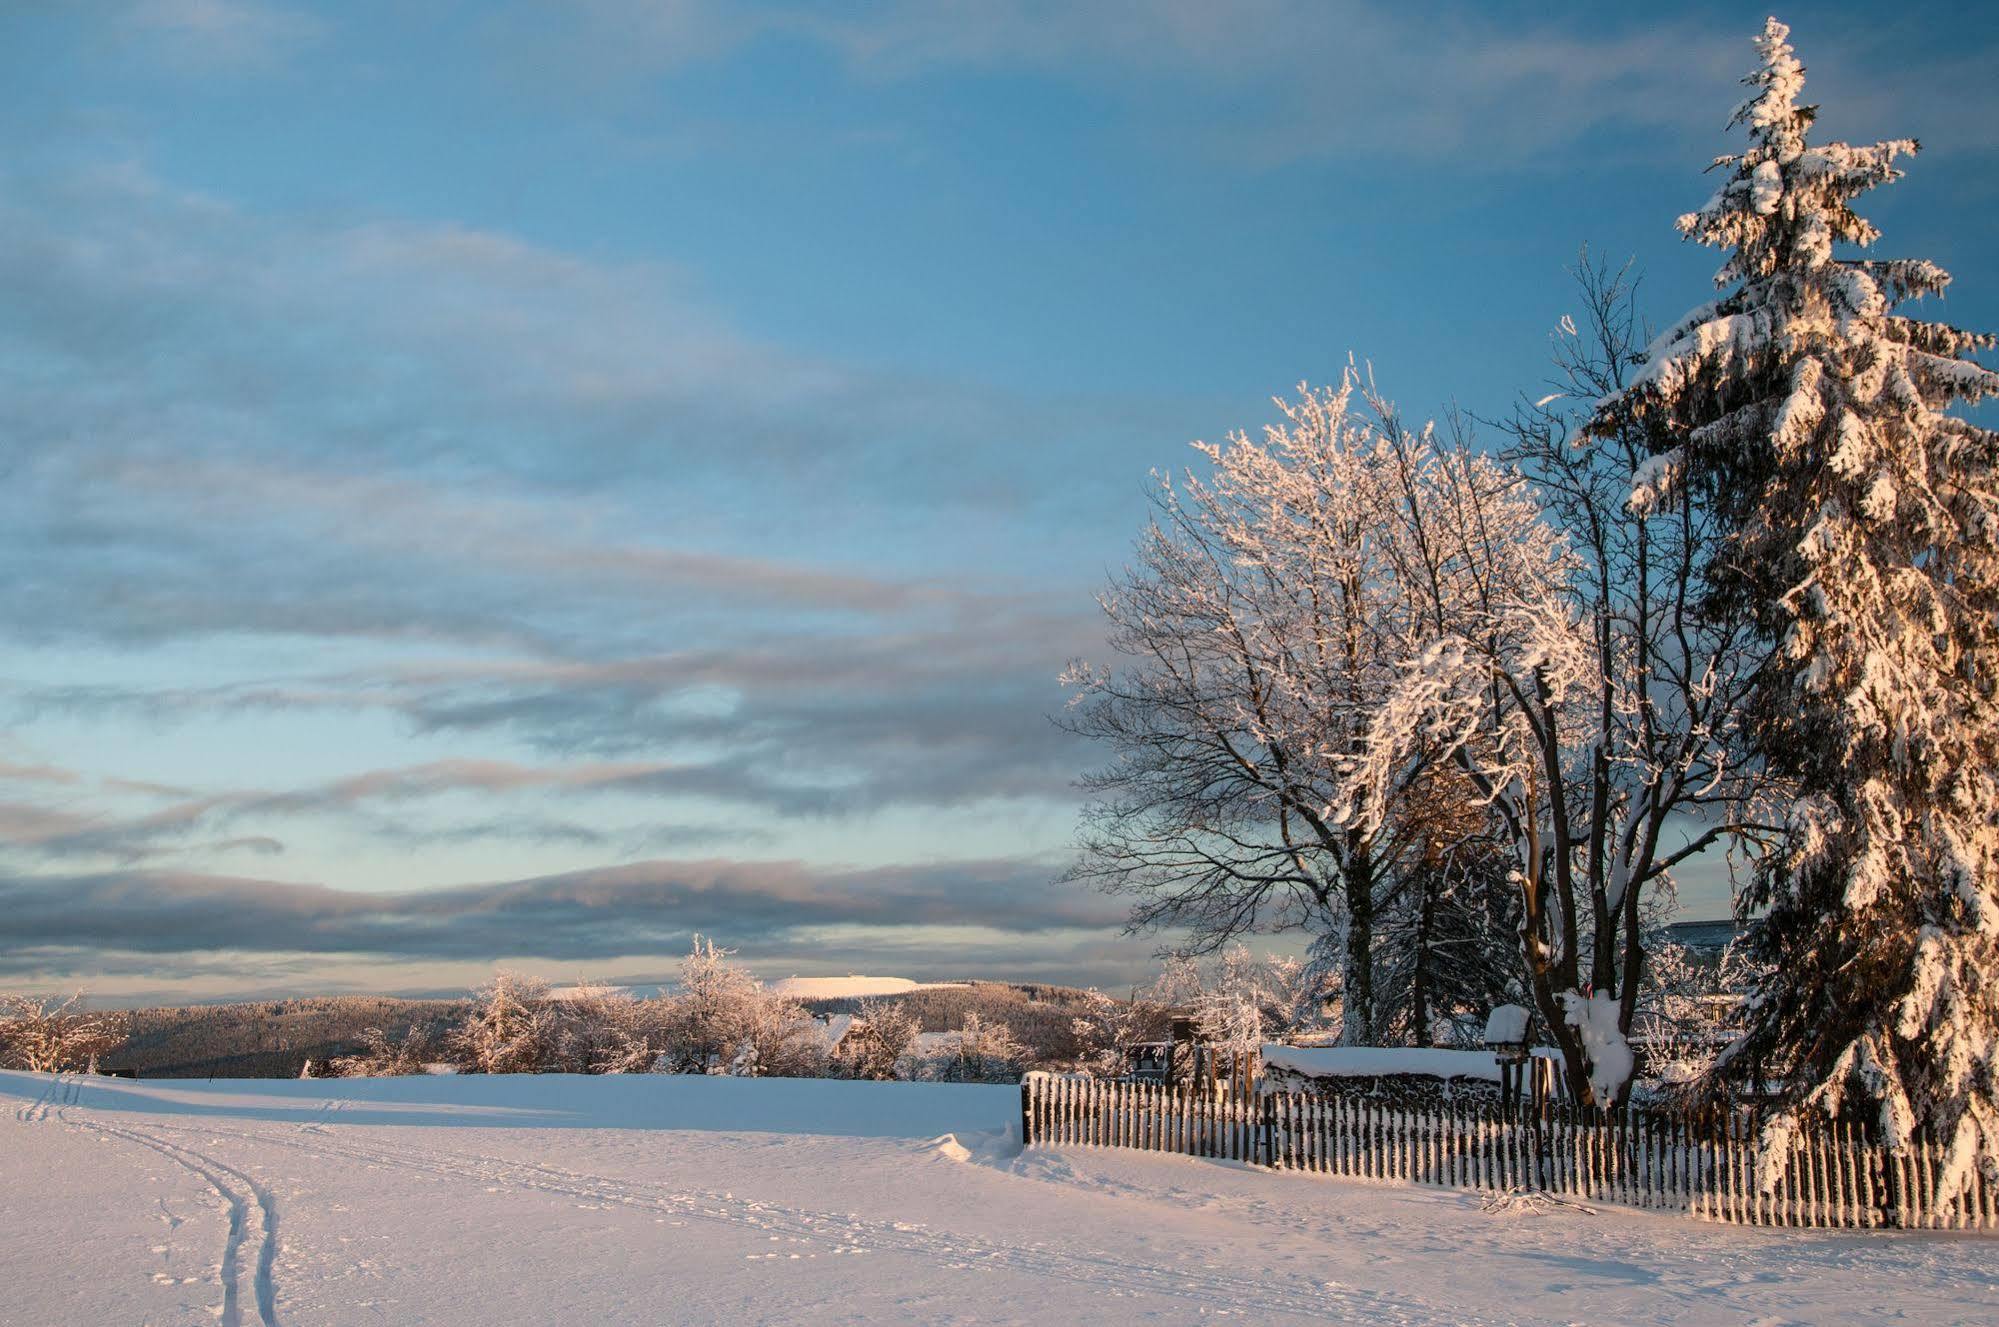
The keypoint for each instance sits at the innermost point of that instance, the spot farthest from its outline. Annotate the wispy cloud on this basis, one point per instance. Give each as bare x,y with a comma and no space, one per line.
653,906
1264,84
206,36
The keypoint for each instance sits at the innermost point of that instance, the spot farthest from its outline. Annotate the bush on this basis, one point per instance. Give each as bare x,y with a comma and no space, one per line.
48,1035
512,1028
609,1032
979,1052
384,1057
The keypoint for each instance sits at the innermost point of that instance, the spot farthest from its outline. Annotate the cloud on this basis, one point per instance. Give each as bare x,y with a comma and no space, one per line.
516,495
1266,84
1261,83
68,832
38,773
804,727
207,36
652,906
220,422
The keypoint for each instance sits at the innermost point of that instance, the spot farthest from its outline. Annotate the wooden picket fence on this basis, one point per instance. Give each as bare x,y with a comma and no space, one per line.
1831,1179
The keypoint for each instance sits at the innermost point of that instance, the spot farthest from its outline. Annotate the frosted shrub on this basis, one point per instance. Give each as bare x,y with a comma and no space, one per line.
48,1035
709,1013
512,1028
720,1019
777,1039
979,1052
383,1056
602,1031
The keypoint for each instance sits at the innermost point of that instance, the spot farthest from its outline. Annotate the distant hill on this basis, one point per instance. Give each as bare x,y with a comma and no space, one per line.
851,987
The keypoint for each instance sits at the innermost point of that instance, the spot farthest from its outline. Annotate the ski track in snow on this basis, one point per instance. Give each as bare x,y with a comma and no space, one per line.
252,1208
63,1090
851,1235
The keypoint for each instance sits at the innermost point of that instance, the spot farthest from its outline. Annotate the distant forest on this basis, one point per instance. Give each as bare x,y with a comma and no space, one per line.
266,1038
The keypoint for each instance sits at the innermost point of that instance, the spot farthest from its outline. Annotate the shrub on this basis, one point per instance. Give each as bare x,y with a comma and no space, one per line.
512,1028
48,1035
382,1056
979,1052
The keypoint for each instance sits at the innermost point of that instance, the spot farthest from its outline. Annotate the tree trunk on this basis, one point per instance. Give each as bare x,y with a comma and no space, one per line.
1419,984
1357,1029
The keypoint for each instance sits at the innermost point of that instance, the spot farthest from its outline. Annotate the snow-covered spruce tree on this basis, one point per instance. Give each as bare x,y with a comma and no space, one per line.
1864,542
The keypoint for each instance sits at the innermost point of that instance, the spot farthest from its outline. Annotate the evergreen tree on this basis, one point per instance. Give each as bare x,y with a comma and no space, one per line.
1864,543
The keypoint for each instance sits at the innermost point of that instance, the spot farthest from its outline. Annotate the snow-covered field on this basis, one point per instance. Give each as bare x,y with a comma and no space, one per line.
478,1201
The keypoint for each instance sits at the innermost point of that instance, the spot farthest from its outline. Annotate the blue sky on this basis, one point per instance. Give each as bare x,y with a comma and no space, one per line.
521,483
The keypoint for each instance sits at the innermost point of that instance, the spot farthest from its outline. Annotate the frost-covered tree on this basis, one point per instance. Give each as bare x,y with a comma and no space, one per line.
877,1042
1448,952
1863,541
1692,1008
721,1019
777,1039
512,1028
1265,624
603,1030
1624,693
979,1052
1496,681
711,1006
1240,999
1107,1027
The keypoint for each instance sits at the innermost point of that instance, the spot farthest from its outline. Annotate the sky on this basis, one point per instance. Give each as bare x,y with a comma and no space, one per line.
523,484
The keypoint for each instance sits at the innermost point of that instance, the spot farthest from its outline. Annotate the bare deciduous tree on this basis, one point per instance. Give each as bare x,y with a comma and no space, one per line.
1266,623
1585,698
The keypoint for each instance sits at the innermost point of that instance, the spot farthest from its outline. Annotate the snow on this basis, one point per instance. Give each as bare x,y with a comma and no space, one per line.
1367,1061
849,987
1506,1025
549,1199
587,991
1594,1018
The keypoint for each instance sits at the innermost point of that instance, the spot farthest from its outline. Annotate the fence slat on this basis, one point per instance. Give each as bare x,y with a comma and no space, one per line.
1829,1176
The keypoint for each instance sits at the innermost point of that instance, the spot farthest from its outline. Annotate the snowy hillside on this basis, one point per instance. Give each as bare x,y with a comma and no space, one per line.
849,988
553,1199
